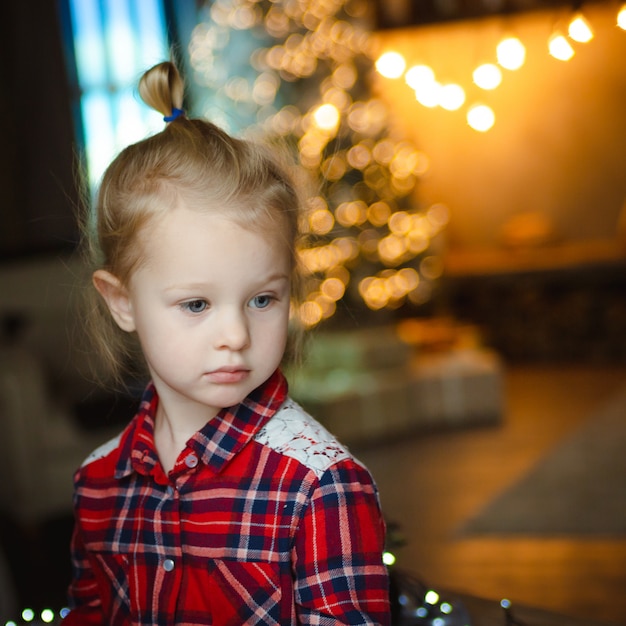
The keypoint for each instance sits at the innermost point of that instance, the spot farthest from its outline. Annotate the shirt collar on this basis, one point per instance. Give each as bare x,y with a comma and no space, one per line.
216,443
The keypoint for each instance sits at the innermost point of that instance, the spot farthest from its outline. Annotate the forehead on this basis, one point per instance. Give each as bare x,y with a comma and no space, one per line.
184,240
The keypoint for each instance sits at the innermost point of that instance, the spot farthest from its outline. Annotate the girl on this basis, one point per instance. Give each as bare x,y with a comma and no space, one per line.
222,502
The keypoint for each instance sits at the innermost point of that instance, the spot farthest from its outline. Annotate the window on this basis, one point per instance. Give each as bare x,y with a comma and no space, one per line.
113,42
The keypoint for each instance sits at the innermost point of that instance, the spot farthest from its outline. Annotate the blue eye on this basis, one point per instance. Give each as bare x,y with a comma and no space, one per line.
195,306
261,302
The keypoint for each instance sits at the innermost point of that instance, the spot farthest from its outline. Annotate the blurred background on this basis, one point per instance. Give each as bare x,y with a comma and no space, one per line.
465,262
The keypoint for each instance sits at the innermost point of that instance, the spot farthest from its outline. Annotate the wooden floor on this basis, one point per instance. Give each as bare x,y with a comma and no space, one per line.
431,483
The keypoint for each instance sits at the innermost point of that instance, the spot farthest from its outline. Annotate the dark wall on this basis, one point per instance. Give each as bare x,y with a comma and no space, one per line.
37,184
575,314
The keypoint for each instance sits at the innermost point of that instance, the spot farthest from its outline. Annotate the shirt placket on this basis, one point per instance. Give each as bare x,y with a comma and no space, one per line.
169,576
173,562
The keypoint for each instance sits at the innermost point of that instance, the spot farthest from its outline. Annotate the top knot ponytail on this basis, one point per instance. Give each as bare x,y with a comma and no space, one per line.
162,88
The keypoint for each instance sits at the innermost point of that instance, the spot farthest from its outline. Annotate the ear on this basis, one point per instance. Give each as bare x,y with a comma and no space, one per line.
116,297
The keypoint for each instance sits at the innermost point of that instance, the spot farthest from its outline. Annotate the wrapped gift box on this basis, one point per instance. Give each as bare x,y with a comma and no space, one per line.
360,407
368,385
457,387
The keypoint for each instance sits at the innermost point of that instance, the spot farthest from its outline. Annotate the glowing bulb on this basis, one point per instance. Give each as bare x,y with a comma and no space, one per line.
326,117
481,118
431,597
579,29
621,17
310,313
487,76
428,95
560,48
419,75
511,53
391,65
28,615
451,97
47,616
388,558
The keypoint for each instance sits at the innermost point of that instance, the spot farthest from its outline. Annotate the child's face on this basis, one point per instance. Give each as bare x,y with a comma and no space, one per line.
211,308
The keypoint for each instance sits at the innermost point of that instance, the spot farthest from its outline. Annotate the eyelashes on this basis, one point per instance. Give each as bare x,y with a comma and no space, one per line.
198,305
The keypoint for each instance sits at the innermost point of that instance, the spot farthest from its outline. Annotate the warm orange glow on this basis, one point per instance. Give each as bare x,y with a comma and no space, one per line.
333,288
560,48
481,118
621,17
579,29
511,53
378,213
310,313
400,223
326,117
428,94
351,213
419,75
451,97
391,65
487,76
321,221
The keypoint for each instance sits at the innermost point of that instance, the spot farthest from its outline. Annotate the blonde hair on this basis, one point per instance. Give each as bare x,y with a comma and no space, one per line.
190,161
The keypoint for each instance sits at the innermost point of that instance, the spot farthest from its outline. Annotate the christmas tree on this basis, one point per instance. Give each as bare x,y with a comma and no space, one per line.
299,70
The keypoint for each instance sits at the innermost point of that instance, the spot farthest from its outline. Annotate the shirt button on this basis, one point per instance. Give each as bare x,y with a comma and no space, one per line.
168,565
191,460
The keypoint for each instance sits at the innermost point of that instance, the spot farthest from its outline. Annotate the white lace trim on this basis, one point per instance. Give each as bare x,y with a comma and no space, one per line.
101,451
295,433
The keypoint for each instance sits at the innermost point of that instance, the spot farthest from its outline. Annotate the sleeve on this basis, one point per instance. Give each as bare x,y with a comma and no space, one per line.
340,577
84,598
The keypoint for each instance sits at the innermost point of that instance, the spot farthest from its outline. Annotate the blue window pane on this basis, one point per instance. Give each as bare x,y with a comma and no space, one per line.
120,42
151,31
115,41
88,42
99,131
133,123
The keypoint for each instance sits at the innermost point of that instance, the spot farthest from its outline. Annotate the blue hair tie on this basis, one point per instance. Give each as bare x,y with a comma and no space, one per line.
176,113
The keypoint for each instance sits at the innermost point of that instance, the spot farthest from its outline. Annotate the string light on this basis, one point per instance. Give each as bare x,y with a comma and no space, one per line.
487,76
621,17
428,94
579,29
391,65
326,117
481,117
451,97
419,75
560,48
511,53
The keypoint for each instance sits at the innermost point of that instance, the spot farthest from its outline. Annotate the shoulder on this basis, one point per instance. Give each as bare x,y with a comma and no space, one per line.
296,434
103,450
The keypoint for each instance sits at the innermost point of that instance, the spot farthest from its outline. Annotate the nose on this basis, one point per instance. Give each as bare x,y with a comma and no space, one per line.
232,331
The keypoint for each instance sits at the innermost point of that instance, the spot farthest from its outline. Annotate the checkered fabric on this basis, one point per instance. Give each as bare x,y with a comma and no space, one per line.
264,519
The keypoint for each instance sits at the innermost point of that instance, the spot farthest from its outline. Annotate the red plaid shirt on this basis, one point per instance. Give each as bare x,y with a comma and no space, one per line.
265,519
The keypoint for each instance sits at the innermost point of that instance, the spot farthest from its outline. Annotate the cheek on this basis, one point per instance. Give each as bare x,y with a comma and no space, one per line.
159,339
274,338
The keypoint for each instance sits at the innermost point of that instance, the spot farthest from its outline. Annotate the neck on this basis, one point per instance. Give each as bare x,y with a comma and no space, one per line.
173,429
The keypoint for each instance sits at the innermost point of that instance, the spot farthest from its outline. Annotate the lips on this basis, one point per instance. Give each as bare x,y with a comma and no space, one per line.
228,375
